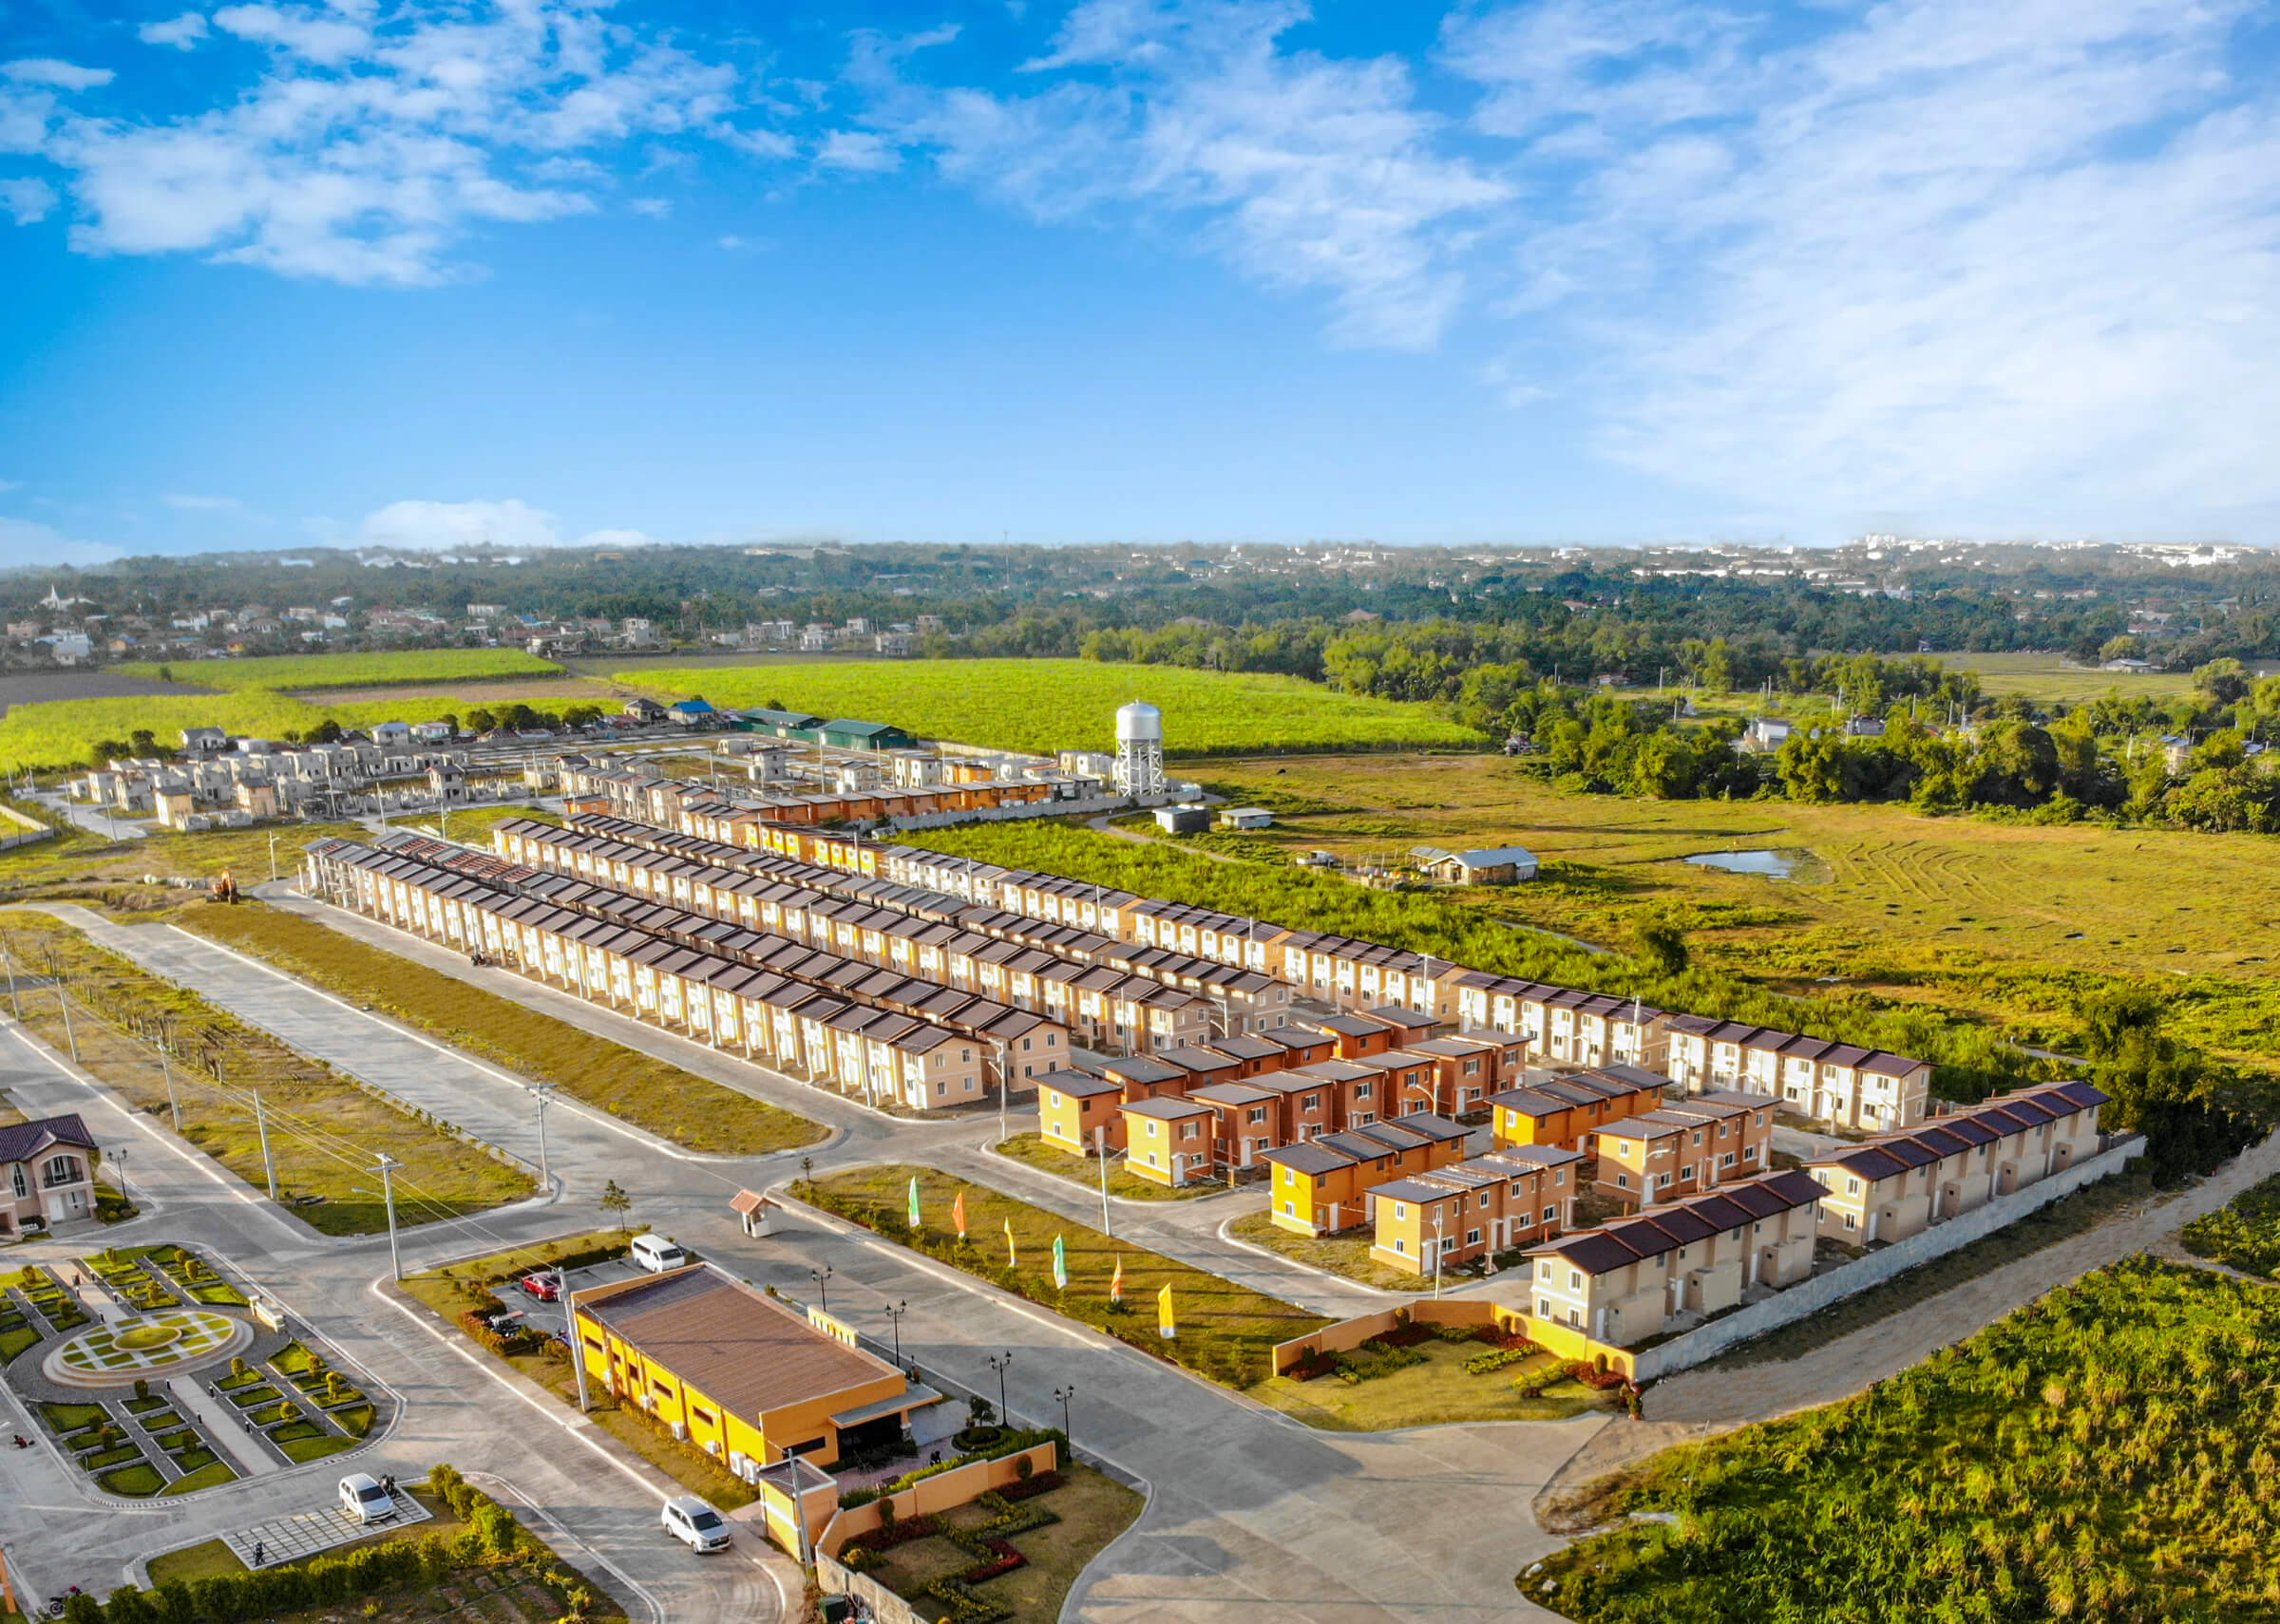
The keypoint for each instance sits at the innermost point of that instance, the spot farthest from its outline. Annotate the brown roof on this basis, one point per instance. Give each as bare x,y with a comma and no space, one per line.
739,1348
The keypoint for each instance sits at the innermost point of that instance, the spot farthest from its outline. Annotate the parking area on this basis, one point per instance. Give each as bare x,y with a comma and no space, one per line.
552,1317
305,1534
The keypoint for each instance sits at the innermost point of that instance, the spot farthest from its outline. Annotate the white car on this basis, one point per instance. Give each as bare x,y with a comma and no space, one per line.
363,1500
695,1524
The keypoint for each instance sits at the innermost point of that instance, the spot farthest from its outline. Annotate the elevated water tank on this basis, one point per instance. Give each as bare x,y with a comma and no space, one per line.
1139,723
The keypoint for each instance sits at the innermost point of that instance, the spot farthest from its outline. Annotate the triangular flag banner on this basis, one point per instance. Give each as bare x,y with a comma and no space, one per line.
1116,1282
914,1203
958,1214
1166,1326
1060,1265
1012,1259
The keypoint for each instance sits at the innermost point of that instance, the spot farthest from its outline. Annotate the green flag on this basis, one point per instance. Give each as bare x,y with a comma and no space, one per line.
1060,1265
914,1203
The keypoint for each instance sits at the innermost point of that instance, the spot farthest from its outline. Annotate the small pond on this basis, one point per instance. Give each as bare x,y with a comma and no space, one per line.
1772,865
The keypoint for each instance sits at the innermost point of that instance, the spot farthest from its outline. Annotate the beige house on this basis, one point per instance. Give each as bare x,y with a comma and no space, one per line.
1625,1283
1845,1086
1893,1187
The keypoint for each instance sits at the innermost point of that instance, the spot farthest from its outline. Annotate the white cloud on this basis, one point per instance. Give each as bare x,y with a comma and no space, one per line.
1305,171
373,142
655,208
27,200
862,151
2016,258
435,524
182,32
202,503
22,542
59,75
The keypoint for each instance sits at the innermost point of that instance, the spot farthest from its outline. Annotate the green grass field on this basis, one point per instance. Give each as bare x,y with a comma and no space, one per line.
2103,1454
1436,1393
2053,677
1047,704
2244,1234
691,1111
280,672
1226,1331
323,1130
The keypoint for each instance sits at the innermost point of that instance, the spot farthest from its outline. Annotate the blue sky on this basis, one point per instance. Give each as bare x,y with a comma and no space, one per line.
393,271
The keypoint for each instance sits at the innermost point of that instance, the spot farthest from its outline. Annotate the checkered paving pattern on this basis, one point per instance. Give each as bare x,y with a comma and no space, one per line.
305,1534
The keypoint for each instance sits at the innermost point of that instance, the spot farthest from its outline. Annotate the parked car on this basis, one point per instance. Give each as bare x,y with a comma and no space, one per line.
695,1524
363,1500
545,1285
658,1254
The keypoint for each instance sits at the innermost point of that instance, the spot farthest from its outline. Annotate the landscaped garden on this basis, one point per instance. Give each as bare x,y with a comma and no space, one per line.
1224,1330
2105,1453
1013,1554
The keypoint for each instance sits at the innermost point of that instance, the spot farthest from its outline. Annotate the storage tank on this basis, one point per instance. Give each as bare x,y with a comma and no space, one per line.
1139,723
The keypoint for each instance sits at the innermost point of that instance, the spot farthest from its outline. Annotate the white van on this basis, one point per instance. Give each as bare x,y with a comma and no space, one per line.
659,1252
695,1524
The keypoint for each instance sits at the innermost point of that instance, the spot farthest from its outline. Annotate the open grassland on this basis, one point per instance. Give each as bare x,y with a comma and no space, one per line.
1226,1331
2056,677
694,1112
1977,918
1047,704
423,699
324,1130
280,672
2244,1234
2104,1454
87,867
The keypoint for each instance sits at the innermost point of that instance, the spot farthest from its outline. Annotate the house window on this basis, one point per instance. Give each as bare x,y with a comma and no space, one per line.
1361,1090
1401,1246
1311,1102
21,1182
1851,1222
1727,1160
1622,1181
1551,1212
61,1170
1188,1131
941,1087
1400,1210
1852,1186
1472,1237
1575,1280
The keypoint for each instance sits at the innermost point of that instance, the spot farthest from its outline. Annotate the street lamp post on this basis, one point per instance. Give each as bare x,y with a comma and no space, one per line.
269,1162
543,1092
118,1157
1065,1394
8,957
174,1107
999,1362
894,1315
823,1287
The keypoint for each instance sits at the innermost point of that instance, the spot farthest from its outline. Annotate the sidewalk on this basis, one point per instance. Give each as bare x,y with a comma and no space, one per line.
221,1423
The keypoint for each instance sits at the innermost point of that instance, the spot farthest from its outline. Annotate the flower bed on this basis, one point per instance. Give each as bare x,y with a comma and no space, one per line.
1377,1358
1496,1359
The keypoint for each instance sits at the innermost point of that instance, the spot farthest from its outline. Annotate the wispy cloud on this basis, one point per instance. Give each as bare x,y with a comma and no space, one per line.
202,503
27,200
1934,252
513,523
182,32
373,141
1307,172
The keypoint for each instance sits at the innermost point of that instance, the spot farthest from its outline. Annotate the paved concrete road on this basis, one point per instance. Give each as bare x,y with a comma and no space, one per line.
1251,1514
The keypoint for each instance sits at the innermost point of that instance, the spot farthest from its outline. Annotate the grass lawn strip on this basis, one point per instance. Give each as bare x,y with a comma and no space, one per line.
1434,1392
2244,1234
1226,1331
677,1105
1347,1255
310,1106
1033,1150
206,1475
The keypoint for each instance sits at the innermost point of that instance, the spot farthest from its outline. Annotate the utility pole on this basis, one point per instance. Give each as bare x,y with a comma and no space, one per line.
543,1092
63,1002
387,1193
8,955
269,1164
273,857
1100,1152
174,1107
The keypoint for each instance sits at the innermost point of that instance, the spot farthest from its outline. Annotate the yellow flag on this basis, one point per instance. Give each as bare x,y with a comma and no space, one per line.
1165,1323
1011,1259
1116,1283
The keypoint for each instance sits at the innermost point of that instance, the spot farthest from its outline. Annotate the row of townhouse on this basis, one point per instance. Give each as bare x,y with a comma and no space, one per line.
1681,1149
1894,1186
1843,1084
1434,1221
1081,979
1232,1104
1851,1087
1569,1108
666,801
1321,1187
1623,1282
803,1013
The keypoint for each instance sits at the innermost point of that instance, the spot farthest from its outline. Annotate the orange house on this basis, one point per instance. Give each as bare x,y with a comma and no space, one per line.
1321,1187
1566,1108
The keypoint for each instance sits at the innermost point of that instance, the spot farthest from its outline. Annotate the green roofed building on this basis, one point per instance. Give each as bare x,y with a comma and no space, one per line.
783,724
849,735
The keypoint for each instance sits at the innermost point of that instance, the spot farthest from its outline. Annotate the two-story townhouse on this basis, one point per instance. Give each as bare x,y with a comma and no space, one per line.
1172,1141
47,1173
1567,1107
1249,1121
1473,1209
1843,1085
1322,1185
1072,1105
1623,1282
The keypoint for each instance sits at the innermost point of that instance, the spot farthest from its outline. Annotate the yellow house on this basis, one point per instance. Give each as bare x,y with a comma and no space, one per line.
737,1373
1072,1104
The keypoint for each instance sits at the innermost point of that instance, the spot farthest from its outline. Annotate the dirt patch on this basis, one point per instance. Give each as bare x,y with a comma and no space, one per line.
39,687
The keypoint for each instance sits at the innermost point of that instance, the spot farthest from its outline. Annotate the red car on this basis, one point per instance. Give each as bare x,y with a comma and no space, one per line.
546,1285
